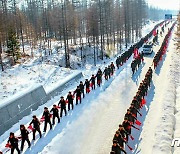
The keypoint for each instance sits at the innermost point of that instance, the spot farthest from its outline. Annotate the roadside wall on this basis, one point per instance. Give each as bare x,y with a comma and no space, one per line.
22,105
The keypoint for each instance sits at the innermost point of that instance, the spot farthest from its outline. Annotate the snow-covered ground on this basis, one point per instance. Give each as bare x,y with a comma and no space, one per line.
91,126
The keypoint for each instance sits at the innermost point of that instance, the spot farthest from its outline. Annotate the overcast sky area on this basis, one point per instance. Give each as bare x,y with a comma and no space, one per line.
165,4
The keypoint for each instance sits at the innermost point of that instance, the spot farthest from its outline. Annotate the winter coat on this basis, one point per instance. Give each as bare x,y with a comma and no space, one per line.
35,123
13,141
78,92
62,103
46,115
87,84
70,98
55,111
24,133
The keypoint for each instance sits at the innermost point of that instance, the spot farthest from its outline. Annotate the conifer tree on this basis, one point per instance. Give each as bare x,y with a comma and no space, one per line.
13,46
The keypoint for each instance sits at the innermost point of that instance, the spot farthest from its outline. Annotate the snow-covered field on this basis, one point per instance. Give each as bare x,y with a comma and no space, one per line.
90,127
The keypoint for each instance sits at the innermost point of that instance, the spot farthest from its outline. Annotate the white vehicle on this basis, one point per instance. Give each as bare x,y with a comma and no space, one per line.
147,49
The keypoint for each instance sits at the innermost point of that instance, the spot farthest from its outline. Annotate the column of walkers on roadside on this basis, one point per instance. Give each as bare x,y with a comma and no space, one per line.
123,134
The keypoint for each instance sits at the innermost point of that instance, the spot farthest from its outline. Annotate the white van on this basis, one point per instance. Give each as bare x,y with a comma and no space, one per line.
147,49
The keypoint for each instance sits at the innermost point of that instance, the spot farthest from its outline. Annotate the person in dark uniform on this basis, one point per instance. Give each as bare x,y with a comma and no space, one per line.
81,85
130,117
93,81
106,73
123,132
24,136
70,101
87,83
36,126
55,113
99,77
112,68
62,103
13,141
109,71
116,148
120,140
47,117
78,94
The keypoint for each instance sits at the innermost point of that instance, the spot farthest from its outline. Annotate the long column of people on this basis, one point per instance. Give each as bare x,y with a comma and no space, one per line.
122,135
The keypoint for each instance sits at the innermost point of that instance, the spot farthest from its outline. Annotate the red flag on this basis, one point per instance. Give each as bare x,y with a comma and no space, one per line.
91,85
143,102
125,139
138,123
88,90
8,145
30,127
67,102
134,115
58,107
42,119
79,98
51,115
154,32
129,147
132,138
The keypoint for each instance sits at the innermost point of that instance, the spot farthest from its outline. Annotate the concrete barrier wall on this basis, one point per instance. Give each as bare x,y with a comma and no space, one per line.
59,88
17,107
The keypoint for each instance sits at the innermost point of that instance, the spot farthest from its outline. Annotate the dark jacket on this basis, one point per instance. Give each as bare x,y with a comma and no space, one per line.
78,92
13,141
106,71
62,103
35,123
87,84
24,133
99,76
117,149
81,87
93,79
130,117
126,125
119,139
55,111
46,115
70,98
123,133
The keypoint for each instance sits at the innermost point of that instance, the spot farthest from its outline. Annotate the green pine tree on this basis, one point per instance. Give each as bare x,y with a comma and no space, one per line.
13,45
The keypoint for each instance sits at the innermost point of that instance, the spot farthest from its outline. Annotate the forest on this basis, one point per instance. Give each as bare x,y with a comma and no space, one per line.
100,24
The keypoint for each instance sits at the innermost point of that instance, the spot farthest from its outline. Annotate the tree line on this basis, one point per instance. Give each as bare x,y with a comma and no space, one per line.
102,24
